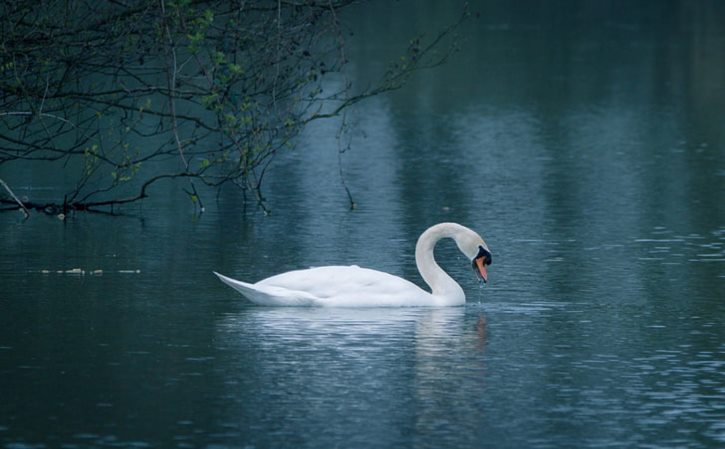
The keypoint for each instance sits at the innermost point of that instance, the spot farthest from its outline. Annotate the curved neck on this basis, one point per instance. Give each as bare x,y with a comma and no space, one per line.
440,283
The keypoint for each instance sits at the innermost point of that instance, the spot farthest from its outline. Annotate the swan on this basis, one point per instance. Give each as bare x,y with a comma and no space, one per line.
353,286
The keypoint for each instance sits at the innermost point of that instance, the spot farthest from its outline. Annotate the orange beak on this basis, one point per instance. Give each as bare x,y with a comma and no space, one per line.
482,270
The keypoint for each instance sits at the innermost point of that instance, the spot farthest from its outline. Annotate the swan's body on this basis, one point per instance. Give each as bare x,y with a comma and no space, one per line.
352,286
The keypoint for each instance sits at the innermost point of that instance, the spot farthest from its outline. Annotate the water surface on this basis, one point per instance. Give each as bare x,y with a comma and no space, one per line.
584,142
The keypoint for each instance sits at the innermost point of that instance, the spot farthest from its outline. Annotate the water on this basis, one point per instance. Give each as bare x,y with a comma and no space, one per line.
584,143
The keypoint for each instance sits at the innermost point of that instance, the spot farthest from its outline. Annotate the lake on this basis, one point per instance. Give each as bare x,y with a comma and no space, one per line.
583,141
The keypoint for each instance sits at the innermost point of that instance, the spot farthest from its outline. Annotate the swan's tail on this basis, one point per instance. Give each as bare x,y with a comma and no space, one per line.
244,288
263,295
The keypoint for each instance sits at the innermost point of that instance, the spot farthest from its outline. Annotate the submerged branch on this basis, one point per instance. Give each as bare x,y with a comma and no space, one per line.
15,198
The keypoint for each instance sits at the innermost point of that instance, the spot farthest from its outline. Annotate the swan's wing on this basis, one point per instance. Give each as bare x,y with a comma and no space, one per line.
269,295
349,286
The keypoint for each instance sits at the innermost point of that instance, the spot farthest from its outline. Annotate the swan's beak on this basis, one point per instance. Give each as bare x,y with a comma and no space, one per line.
480,266
481,262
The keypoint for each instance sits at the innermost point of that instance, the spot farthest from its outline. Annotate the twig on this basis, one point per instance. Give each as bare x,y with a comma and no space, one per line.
171,78
131,199
195,197
340,150
20,203
277,58
42,114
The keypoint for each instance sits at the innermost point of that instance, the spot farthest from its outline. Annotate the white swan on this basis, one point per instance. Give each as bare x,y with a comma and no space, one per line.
352,286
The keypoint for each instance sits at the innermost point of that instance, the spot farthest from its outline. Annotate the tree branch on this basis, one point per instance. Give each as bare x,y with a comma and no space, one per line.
12,195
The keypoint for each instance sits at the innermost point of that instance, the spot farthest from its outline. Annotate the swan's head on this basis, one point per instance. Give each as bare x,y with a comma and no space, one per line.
473,246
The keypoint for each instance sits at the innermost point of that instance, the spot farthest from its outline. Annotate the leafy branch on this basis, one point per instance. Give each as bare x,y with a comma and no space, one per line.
122,95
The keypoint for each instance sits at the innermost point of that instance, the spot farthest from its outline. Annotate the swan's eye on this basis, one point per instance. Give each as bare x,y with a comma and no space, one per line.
482,252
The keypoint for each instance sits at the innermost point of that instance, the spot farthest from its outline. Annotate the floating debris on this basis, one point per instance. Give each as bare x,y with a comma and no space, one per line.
82,272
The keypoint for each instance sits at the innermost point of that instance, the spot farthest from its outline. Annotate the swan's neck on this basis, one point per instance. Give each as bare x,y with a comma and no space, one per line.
440,283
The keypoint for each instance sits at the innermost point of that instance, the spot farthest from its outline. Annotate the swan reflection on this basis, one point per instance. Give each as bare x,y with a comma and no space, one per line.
427,329
359,365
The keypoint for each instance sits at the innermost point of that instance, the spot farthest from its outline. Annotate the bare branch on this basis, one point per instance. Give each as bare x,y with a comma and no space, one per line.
12,195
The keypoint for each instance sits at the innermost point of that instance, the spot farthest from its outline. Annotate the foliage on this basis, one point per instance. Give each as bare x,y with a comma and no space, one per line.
126,94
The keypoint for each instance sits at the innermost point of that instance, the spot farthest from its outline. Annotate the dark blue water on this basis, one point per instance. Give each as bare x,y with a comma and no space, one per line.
583,141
